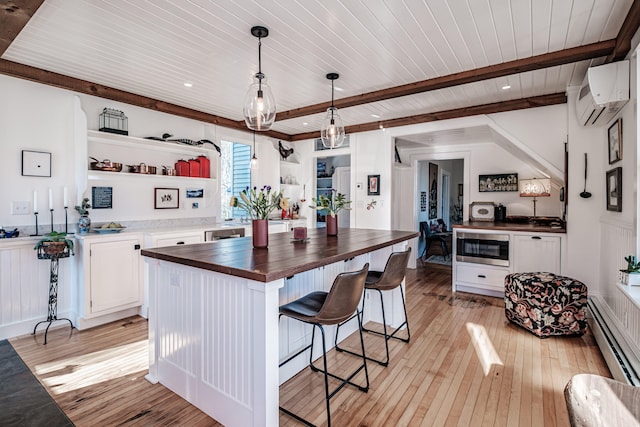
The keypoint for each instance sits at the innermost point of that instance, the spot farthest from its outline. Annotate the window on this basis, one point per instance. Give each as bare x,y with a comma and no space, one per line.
235,175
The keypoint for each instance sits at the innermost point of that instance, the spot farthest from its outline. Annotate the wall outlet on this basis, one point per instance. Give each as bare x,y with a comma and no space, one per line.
19,208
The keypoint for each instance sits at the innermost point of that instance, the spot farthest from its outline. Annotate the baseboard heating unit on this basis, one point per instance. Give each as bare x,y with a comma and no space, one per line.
614,342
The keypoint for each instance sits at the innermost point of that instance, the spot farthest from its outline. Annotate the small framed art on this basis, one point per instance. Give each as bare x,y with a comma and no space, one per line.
373,185
615,141
166,198
36,163
614,190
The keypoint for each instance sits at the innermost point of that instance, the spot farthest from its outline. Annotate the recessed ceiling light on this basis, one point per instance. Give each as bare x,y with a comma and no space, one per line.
305,123
187,84
381,126
505,87
375,116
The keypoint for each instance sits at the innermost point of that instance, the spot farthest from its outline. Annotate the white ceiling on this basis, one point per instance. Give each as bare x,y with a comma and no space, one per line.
152,47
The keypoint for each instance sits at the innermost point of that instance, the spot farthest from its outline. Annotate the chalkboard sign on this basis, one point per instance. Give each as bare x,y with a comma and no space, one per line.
102,197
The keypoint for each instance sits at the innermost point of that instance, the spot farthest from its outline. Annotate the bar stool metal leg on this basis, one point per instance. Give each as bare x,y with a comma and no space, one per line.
385,334
327,374
330,308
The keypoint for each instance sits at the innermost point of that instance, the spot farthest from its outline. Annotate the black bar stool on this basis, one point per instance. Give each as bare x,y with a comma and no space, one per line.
330,308
379,281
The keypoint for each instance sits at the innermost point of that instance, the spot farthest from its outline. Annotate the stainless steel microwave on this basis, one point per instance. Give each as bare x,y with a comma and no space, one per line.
482,248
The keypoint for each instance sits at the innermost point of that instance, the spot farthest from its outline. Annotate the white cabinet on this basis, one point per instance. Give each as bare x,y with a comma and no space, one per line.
109,278
536,252
528,252
484,279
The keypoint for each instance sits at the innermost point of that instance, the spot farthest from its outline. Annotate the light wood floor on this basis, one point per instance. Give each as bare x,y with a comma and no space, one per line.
465,365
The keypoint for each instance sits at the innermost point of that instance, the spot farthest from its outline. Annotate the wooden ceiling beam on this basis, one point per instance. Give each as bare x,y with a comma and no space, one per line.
628,29
14,15
39,75
566,56
497,107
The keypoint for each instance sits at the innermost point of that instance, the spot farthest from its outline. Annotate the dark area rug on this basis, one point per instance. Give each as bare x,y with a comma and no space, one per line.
23,400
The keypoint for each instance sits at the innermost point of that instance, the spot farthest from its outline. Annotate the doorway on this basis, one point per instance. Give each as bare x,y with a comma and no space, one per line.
334,173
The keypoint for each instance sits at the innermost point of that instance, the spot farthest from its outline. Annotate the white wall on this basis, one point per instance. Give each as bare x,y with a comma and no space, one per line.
41,118
38,118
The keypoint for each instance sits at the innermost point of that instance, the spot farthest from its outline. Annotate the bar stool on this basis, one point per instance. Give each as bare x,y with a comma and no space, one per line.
329,308
379,281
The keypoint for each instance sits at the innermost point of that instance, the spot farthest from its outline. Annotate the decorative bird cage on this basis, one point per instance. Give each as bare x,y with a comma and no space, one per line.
113,121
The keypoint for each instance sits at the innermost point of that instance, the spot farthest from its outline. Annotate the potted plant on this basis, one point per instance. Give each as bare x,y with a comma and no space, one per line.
258,204
54,243
331,205
84,222
631,275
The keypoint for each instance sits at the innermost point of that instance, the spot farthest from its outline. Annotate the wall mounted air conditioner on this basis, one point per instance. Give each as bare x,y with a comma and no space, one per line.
604,91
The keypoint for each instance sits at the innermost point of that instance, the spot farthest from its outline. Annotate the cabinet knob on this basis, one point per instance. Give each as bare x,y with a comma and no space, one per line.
180,243
136,247
536,237
482,276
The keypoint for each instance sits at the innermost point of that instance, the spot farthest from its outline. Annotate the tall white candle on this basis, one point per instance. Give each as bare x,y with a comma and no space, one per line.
35,201
50,199
66,198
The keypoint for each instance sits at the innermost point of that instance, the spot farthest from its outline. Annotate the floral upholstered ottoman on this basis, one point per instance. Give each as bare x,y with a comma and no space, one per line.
546,304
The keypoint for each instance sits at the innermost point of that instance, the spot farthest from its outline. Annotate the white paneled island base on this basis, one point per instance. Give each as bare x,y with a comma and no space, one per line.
214,336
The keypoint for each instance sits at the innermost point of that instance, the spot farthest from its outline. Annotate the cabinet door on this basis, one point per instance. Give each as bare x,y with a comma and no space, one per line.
536,253
115,275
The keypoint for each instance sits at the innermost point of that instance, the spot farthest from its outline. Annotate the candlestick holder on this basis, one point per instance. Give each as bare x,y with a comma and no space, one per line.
66,223
51,211
36,215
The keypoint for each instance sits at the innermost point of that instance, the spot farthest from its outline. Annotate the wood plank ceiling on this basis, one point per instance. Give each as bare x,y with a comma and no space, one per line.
400,61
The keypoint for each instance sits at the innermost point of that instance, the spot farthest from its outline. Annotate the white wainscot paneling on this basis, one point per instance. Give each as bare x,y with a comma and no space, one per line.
24,289
211,341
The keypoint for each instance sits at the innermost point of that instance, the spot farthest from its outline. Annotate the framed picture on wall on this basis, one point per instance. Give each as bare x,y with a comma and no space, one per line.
166,198
614,190
615,141
373,185
498,182
36,163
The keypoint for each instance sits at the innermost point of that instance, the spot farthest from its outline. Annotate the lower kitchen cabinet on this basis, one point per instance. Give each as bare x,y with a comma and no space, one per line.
486,279
109,278
528,252
536,252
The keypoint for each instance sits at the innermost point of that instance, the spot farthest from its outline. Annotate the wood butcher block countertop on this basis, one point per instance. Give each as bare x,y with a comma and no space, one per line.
283,258
511,226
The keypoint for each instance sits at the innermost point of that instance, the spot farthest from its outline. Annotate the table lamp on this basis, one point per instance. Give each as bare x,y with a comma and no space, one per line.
535,188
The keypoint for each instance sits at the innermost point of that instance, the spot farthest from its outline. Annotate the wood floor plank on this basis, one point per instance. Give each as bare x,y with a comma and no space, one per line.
438,379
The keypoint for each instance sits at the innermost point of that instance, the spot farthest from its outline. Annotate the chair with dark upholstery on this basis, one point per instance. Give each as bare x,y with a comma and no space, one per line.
429,235
387,280
330,308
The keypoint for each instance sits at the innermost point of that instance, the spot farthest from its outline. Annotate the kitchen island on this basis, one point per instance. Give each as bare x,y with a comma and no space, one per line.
214,335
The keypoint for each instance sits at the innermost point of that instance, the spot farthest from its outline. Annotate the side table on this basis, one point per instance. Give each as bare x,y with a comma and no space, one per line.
52,316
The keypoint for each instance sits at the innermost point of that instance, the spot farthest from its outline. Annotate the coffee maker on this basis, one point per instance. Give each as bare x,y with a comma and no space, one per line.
500,213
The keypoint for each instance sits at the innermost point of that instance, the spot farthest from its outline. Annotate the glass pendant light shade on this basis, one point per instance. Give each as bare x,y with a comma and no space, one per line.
259,105
332,130
259,108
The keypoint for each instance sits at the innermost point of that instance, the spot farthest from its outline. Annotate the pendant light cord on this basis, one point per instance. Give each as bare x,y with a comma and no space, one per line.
332,107
260,64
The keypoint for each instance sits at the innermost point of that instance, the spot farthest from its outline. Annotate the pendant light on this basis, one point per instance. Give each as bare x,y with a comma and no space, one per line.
332,130
259,104
254,160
